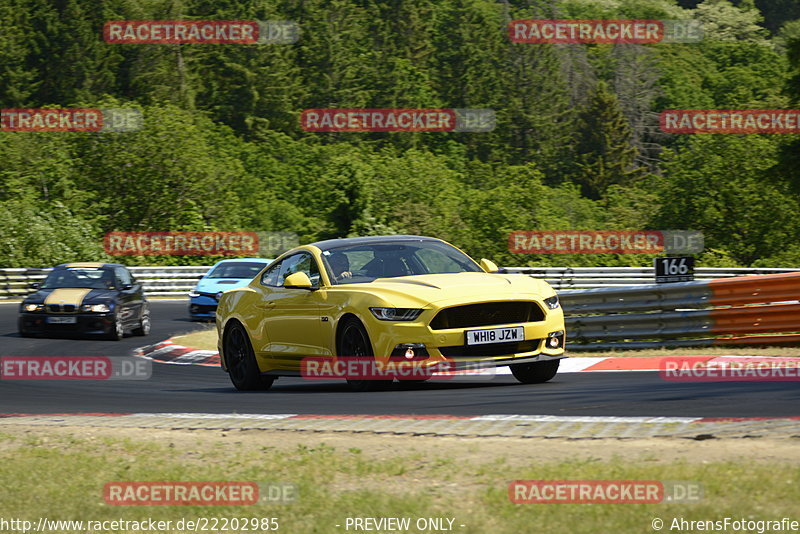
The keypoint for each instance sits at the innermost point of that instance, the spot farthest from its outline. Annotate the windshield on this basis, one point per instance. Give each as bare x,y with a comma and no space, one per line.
366,262
80,277
238,269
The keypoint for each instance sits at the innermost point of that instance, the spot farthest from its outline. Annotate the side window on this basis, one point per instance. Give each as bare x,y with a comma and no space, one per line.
297,263
270,276
123,276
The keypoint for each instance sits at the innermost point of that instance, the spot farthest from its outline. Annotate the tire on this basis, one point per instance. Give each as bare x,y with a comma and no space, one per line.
22,331
536,372
119,330
241,361
353,341
144,325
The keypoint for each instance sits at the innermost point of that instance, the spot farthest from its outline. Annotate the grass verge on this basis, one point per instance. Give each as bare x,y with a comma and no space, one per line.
59,474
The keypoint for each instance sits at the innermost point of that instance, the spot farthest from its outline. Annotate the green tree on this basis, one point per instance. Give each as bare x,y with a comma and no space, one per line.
719,184
605,155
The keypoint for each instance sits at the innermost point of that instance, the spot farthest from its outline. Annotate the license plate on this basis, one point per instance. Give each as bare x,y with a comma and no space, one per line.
62,320
495,335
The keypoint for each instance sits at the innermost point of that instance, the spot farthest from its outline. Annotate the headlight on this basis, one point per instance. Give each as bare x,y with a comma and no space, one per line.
552,302
96,308
193,294
32,307
395,314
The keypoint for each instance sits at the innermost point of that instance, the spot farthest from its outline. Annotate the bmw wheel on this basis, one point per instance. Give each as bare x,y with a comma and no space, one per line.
118,330
144,325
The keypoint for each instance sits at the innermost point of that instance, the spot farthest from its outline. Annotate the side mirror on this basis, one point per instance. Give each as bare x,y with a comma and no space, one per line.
35,285
297,281
489,266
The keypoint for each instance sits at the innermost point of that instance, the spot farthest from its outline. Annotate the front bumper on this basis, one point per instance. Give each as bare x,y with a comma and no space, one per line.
203,307
449,345
85,323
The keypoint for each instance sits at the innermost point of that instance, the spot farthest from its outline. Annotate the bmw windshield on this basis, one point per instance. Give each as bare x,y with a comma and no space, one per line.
367,262
83,277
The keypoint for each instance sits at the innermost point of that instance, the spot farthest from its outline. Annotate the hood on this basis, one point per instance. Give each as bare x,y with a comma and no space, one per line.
215,285
421,290
73,296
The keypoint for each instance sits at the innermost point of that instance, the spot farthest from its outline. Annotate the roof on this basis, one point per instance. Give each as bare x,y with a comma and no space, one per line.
369,240
89,265
260,260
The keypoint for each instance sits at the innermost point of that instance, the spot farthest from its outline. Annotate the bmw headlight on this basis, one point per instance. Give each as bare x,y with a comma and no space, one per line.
552,302
96,308
396,314
33,307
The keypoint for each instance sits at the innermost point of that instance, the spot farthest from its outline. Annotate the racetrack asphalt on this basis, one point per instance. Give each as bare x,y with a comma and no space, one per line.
196,389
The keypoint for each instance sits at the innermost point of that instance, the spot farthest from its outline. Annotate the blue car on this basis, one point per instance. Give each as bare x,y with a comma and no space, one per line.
224,275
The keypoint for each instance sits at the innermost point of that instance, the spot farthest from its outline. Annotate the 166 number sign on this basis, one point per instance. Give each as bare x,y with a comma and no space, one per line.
674,269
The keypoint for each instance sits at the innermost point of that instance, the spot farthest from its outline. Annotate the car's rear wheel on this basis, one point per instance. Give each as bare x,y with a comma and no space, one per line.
117,329
241,361
354,342
536,372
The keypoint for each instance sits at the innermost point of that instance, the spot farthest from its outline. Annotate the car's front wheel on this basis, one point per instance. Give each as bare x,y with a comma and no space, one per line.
144,325
117,329
354,342
536,372
241,361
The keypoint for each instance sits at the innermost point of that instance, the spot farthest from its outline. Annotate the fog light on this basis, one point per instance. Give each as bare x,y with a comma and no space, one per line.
409,351
555,339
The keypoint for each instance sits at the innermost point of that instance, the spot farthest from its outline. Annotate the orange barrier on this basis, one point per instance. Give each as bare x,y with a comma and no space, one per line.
793,339
756,319
755,289
748,310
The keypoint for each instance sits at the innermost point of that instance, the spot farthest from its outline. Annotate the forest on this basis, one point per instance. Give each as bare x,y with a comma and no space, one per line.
577,143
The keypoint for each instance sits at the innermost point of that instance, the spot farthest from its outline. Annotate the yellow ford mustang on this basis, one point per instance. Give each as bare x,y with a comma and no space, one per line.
385,298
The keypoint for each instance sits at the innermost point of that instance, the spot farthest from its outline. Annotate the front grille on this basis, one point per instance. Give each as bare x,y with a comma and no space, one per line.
490,313
61,308
490,349
203,308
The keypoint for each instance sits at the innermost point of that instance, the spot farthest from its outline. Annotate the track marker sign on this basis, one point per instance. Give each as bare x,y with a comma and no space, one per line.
678,269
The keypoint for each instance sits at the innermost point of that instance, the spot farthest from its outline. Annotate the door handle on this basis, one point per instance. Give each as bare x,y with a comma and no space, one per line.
265,305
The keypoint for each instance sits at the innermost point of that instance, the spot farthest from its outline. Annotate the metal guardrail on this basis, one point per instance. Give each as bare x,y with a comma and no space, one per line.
177,281
747,310
157,281
606,308
595,277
